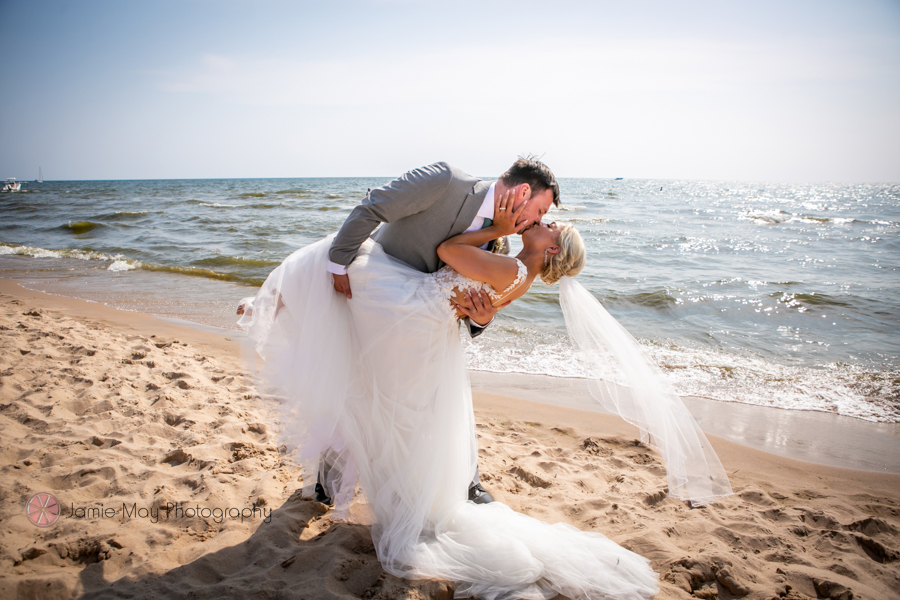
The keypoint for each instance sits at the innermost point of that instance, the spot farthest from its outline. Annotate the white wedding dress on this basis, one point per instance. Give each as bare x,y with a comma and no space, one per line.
379,384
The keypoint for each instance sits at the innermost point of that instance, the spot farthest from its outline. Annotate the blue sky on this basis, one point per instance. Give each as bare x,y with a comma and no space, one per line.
796,91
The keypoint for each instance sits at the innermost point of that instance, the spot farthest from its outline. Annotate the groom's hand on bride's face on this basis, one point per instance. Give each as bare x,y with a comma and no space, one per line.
342,285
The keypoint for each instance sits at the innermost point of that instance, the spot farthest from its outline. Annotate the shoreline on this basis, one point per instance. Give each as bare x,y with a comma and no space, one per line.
804,435
108,409
759,375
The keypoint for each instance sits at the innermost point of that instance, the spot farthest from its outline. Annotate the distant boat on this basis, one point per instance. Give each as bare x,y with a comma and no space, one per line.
40,178
11,185
618,179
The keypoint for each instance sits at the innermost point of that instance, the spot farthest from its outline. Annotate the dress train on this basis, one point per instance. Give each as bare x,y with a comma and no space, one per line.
380,384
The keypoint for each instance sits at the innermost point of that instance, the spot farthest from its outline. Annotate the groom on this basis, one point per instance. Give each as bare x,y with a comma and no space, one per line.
428,205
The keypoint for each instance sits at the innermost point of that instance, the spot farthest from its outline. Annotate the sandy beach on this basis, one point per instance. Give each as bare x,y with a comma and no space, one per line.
172,483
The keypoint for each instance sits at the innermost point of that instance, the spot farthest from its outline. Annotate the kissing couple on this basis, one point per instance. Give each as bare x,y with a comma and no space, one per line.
360,341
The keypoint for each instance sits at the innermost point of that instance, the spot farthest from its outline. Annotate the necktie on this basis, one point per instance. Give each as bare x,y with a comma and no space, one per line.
490,245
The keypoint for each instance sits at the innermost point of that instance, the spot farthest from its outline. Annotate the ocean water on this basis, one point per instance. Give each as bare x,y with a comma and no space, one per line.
776,294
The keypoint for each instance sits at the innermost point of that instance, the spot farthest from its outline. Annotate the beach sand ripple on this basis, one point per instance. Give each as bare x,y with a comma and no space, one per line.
112,417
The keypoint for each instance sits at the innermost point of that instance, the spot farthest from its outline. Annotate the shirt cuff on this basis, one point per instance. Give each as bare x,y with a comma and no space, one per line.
474,324
336,268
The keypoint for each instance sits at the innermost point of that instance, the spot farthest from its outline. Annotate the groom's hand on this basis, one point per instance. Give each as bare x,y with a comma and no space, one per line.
478,307
342,285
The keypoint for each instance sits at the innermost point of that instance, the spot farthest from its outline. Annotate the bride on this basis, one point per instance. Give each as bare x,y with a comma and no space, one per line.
378,385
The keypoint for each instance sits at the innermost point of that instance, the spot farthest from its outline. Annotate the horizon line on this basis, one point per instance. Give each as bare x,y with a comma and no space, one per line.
392,177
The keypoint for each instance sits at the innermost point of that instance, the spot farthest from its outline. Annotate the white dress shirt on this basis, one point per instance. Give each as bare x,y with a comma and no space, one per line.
485,212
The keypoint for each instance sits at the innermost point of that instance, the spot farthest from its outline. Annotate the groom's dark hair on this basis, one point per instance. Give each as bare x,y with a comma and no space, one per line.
530,170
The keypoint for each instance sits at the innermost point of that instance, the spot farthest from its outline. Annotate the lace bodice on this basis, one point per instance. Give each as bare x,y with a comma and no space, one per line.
448,281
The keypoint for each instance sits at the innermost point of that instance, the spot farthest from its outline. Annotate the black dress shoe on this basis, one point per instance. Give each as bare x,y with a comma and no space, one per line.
479,495
322,497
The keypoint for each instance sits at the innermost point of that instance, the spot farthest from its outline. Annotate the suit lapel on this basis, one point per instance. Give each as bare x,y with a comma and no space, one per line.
474,200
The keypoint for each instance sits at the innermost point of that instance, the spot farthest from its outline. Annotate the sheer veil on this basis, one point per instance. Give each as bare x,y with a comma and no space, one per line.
626,382
379,386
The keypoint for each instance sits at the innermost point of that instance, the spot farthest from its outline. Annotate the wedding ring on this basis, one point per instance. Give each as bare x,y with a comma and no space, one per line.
502,209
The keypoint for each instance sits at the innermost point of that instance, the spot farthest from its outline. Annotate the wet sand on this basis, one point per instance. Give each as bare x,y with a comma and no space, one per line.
802,435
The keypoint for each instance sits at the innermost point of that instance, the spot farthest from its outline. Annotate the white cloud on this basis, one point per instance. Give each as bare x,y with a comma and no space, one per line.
660,108
506,74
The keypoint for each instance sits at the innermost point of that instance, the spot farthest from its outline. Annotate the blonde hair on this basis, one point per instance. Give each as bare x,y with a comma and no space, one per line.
569,260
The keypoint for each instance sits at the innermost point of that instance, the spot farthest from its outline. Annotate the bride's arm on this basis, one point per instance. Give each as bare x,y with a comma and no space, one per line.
463,252
473,262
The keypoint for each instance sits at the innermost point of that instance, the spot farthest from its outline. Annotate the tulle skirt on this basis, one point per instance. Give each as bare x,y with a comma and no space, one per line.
376,390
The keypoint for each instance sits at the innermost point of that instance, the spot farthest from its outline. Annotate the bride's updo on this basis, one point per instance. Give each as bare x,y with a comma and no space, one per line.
570,258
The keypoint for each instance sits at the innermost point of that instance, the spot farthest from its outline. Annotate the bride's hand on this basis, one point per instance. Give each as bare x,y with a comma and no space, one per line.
505,216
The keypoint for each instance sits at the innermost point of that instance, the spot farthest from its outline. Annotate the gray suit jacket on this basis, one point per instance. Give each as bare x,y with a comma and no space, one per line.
418,211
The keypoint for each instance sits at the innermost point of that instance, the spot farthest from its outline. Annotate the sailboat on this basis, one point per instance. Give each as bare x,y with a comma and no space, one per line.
40,178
